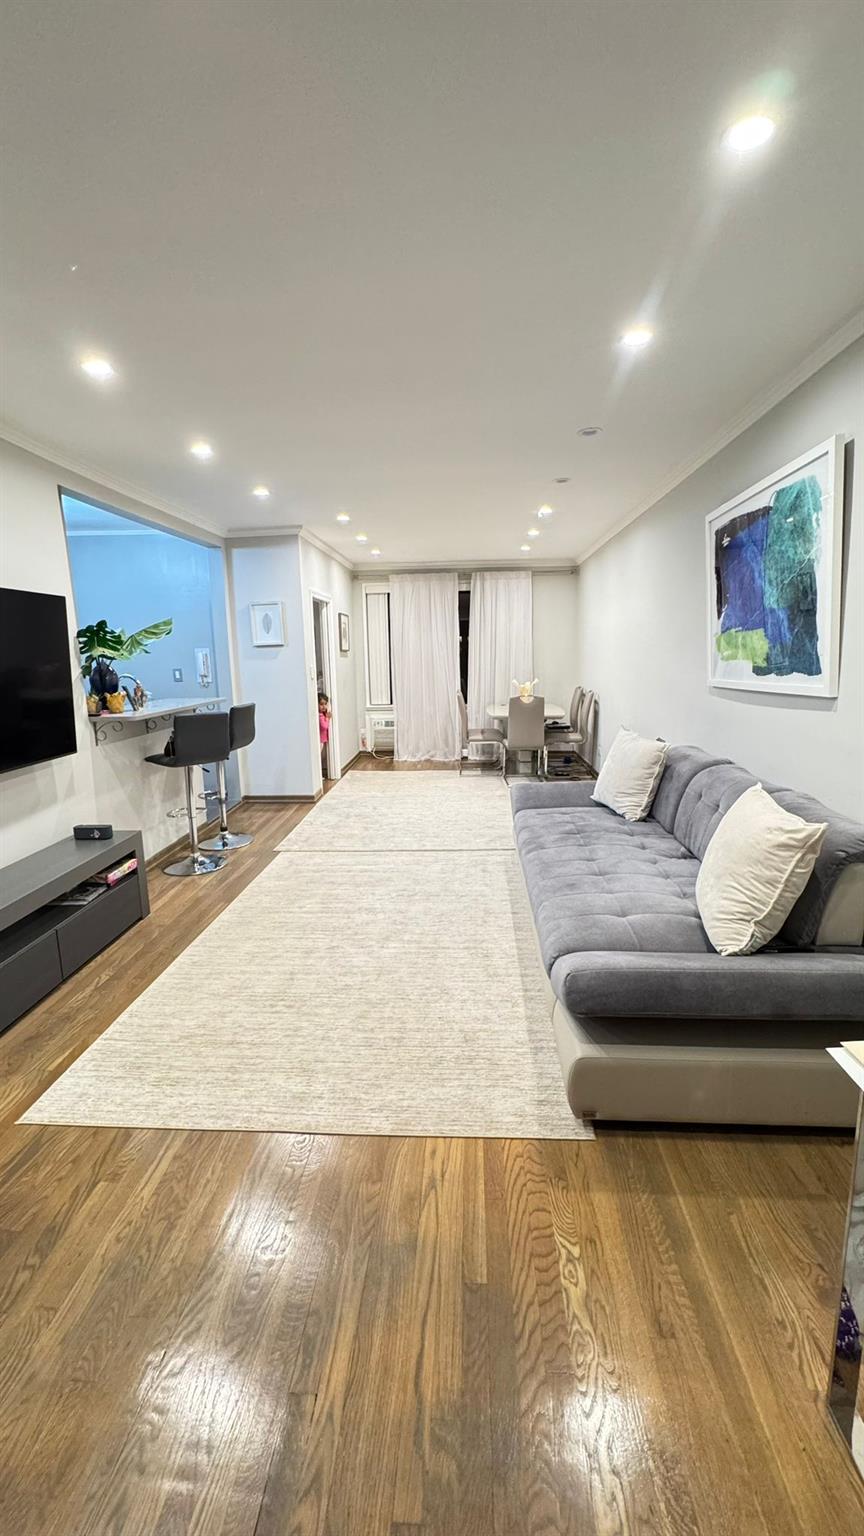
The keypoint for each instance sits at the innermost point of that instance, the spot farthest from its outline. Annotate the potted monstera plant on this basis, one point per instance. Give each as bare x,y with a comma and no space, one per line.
100,648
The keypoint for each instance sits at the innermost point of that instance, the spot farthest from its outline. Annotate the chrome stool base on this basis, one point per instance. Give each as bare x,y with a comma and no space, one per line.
195,864
224,840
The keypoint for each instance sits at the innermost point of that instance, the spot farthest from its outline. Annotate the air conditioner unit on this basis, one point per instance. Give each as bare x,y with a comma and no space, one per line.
381,732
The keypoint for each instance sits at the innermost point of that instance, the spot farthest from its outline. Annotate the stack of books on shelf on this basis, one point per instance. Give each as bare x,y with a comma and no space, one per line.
88,890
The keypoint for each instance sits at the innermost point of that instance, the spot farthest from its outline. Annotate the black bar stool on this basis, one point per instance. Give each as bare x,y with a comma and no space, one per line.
241,730
197,739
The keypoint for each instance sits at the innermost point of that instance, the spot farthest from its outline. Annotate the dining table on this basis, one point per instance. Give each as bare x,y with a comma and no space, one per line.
502,711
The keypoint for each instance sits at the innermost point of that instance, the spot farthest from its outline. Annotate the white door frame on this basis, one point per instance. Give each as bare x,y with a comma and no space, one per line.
334,756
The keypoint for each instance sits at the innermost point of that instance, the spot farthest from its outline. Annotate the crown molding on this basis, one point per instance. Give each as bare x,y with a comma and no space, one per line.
758,406
327,549
100,480
145,530
256,535
284,531
410,567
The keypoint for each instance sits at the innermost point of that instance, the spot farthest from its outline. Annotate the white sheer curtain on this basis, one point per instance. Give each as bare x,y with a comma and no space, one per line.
500,645
424,644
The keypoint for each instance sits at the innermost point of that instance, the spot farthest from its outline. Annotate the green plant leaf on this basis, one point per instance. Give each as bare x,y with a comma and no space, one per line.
133,645
93,638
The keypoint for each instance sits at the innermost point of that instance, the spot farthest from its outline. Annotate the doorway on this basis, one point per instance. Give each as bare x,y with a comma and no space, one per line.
324,677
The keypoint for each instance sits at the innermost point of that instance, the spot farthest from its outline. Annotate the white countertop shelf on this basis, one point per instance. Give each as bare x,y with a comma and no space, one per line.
153,716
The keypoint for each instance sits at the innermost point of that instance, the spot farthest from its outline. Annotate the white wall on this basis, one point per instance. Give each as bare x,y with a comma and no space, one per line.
279,762
556,635
110,782
328,577
641,610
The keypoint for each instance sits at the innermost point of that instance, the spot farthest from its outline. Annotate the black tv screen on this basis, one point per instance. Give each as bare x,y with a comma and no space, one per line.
37,713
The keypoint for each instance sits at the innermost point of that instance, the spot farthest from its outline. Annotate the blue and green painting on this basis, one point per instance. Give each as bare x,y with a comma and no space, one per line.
765,572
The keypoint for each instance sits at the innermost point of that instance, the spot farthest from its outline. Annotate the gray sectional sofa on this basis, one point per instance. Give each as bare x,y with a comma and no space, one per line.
650,1022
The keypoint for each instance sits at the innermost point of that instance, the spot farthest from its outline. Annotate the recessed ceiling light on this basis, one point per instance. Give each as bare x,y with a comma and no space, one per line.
545,511
375,553
637,336
342,517
261,491
362,538
73,266
201,450
589,431
533,533
749,133
97,368
525,548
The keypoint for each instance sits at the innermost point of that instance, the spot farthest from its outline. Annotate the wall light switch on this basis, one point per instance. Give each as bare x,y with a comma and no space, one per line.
178,674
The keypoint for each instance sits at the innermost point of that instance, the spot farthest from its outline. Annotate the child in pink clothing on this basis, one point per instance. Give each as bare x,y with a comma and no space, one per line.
324,717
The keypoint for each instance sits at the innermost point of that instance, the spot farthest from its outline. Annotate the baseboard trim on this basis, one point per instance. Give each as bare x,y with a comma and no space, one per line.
278,799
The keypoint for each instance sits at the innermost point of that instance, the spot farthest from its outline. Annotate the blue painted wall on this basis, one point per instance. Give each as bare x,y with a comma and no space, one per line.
133,578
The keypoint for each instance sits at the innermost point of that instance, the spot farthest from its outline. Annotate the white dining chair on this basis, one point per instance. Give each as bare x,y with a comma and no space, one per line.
582,708
476,736
526,727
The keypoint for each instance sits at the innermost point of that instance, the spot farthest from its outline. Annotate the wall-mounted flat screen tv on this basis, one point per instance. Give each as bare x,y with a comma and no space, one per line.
37,713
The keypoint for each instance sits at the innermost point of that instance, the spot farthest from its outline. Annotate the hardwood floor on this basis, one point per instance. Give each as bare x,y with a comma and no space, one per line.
264,1335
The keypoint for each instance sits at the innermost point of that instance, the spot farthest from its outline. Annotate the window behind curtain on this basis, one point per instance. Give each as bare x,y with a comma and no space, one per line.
380,677
464,639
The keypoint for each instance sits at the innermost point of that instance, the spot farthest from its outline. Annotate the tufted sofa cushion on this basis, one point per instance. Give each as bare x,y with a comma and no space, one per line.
682,766
705,802
842,846
597,882
707,798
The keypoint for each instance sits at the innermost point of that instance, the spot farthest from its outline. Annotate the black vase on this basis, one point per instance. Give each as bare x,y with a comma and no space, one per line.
103,679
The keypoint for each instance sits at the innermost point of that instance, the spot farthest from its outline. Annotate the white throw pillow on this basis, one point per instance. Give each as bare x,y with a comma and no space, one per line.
755,868
628,780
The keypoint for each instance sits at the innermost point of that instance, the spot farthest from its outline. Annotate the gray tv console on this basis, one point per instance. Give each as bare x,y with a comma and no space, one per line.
41,945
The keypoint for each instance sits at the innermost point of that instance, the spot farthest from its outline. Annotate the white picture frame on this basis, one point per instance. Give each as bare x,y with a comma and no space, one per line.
802,571
267,624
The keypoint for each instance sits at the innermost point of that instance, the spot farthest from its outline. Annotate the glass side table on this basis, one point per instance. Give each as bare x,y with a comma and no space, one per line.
846,1386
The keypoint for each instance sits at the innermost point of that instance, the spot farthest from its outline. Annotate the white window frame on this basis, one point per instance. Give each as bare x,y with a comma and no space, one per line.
380,587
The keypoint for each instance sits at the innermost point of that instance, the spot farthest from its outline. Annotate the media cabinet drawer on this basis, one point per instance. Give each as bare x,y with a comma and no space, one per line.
28,976
83,935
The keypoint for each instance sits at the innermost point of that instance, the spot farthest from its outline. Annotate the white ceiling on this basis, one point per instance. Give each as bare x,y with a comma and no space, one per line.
379,253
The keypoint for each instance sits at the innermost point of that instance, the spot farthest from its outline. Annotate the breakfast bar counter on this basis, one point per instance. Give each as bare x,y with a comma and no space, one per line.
156,715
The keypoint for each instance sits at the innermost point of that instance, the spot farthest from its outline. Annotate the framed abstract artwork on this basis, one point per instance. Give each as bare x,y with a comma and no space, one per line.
774,569
267,628
344,634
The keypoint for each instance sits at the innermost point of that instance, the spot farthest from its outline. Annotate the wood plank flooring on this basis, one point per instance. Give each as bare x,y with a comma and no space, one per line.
263,1335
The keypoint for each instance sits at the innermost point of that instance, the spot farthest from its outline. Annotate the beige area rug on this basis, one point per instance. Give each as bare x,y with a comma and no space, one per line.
396,811
381,993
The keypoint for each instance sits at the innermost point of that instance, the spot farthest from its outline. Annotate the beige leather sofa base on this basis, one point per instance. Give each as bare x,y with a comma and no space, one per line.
702,1084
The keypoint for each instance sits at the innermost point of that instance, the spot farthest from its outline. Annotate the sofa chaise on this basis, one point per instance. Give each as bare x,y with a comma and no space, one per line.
651,1023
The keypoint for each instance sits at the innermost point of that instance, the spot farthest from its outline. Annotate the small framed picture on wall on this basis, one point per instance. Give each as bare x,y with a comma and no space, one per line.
267,628
344,634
